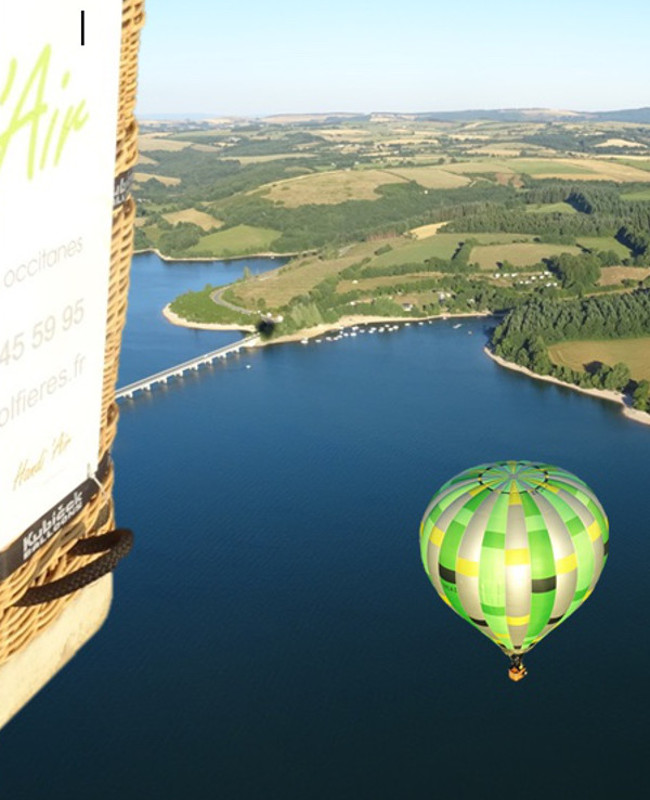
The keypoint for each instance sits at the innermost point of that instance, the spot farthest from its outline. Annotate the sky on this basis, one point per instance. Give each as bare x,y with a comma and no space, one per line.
262,57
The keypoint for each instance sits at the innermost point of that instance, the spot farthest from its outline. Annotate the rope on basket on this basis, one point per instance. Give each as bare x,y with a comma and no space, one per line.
114,544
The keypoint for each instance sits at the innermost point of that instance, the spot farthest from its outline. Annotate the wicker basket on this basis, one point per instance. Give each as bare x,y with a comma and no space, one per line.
53,561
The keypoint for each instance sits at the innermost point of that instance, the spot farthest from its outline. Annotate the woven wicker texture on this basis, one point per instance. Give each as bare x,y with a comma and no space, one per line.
53,561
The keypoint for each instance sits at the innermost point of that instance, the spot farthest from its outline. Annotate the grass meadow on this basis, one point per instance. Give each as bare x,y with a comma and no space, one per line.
641,195
442,245
551,208
603,243
633,352
142,177
200,218
329,187
240,240
613,276
431,177
521,254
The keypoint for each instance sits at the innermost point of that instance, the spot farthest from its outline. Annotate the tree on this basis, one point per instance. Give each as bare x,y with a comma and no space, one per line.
620,376
538,354
565,374
576,272
614,378
608,258
180,238
641,395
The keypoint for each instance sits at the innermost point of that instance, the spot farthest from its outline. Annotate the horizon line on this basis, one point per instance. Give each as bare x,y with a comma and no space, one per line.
465,110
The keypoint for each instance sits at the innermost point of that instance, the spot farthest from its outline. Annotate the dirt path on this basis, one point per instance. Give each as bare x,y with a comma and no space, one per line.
217,298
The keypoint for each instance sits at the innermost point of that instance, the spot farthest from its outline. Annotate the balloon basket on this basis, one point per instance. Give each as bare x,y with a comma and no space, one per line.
32,667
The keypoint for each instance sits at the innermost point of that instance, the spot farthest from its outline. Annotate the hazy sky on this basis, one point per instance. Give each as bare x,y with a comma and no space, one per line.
261,57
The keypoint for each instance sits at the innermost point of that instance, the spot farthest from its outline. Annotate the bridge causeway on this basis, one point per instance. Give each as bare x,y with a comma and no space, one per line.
147,384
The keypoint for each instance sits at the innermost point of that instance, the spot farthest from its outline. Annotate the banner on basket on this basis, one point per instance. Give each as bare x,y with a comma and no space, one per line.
58,121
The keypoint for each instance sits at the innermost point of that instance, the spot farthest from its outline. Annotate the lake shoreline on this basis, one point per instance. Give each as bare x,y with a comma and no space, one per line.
634,414
220,258
315,331
357,319
181,322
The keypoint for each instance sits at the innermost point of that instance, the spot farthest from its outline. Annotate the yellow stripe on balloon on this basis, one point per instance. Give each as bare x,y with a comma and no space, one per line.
566,564
466,567
518,556
514,499
436,536
518,620
594,531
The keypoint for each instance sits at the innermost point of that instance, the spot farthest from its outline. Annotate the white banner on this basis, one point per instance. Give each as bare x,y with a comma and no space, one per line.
58,120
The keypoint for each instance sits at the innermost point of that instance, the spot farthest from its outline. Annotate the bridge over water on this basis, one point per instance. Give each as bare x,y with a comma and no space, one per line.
147,384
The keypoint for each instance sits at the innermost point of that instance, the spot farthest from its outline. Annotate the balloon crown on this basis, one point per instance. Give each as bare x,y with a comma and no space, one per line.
525,476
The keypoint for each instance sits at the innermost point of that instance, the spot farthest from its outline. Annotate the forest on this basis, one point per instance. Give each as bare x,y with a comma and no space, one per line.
528,329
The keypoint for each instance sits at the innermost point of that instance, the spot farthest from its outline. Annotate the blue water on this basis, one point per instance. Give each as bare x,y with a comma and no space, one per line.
273,634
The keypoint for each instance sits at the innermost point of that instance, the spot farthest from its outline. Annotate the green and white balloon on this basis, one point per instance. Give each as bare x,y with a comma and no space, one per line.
514,547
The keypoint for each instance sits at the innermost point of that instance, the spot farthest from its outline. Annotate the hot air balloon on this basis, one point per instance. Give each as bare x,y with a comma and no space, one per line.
514,547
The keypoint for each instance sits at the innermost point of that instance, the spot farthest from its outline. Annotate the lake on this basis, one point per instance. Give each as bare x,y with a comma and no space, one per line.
273,633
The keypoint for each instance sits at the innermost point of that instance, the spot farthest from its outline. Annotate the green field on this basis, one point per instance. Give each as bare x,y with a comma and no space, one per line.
153,233
431,177
526,166
638,164
478,165
547,166
633,352
240,240
643,194
442,245
551,208
522,254
604,243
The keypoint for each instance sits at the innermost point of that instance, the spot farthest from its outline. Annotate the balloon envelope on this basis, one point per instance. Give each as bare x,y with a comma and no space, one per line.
514,547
